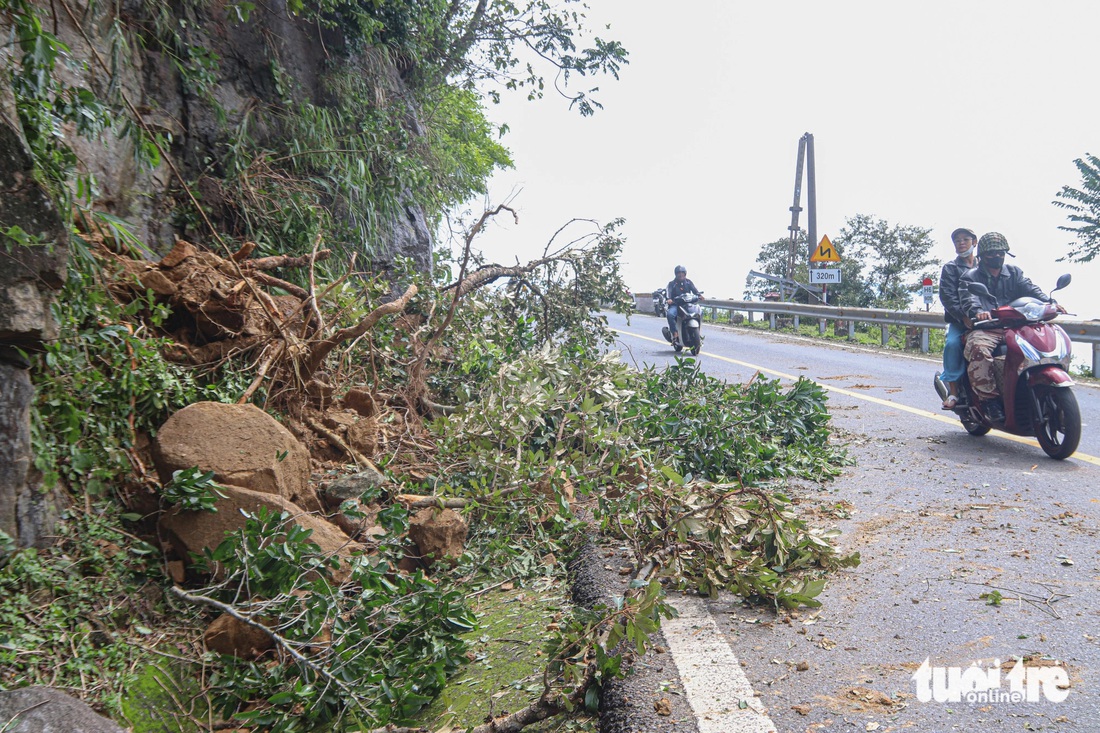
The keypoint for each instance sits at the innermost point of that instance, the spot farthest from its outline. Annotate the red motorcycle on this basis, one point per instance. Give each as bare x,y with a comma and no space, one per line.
1032,370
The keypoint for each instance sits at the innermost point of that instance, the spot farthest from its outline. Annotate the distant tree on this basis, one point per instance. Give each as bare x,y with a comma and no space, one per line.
1083,205
891,260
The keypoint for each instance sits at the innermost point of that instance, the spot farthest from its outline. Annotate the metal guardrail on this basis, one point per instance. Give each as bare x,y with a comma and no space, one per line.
1081,331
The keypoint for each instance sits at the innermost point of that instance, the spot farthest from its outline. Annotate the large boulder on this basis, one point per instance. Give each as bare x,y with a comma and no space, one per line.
46,710
242,445
193,531
227,635
439,534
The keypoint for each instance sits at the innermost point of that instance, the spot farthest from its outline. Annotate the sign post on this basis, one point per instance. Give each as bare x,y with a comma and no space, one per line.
825,252
926,290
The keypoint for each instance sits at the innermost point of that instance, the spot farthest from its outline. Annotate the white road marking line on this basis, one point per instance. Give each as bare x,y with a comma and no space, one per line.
714,683
1086,458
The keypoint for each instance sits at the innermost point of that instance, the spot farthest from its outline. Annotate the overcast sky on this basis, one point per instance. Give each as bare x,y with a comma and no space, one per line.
936,114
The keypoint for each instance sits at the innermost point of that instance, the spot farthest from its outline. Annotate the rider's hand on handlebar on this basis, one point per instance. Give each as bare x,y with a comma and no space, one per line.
984,316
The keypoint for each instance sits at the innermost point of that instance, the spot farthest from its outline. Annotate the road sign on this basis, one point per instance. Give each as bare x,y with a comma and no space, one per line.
825,276
825,252
926,290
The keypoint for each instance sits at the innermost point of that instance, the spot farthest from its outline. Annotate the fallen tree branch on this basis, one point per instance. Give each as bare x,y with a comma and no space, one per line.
213,352
283,643
323,348
273,282
277,261
359,458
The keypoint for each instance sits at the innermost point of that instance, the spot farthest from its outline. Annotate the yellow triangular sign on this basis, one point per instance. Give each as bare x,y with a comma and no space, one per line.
825,252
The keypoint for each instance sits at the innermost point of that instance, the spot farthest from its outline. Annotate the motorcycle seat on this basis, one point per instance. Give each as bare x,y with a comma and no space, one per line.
1001,350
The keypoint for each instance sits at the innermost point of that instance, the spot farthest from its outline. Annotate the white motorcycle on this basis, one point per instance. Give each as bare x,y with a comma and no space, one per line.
688,319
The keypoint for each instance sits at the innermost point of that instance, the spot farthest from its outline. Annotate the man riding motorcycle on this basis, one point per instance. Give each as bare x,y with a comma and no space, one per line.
1005,284
678,286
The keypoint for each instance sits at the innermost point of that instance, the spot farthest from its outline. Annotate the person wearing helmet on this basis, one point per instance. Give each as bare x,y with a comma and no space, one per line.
965,242
1005,284
678,286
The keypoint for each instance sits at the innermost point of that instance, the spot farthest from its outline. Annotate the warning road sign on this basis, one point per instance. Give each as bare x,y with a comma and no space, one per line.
825,252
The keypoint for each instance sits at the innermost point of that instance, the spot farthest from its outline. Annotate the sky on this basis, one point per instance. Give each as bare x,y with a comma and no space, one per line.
936,114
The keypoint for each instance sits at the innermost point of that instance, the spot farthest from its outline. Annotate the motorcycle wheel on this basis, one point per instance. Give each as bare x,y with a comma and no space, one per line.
693,334
1058,424
975,428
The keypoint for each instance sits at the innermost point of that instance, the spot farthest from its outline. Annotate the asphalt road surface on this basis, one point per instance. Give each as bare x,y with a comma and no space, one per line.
976,552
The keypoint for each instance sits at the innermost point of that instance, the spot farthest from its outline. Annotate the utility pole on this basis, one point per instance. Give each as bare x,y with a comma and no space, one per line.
805,158
796,207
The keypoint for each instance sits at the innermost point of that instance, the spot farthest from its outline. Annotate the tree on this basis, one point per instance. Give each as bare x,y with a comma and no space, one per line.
891,260
1083,205
464,42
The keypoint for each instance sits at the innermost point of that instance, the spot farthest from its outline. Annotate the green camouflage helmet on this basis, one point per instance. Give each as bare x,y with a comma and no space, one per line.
992,242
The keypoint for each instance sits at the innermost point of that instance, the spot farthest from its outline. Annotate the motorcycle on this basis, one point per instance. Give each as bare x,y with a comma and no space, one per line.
689,316
1032,369
660,308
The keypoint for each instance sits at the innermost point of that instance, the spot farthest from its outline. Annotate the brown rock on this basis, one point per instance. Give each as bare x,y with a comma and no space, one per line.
156,281
192,531
179,253
438,533
242,445
363,437
361,401
228,635
176,571
340,420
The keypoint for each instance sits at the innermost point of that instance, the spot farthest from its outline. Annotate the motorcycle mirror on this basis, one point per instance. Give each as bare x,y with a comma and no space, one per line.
1063,281
975,288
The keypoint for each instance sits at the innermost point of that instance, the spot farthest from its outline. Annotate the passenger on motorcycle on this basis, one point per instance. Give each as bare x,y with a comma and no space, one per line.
678,286
965,242
1005,283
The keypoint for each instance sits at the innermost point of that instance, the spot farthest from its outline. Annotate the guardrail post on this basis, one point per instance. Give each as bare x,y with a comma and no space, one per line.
924,340
771,321
796,323
851,330
751,316
885,334
821,326
1095,359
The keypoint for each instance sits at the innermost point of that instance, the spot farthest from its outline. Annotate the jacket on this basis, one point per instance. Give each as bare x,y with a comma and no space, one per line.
949,290
679,287
1009,285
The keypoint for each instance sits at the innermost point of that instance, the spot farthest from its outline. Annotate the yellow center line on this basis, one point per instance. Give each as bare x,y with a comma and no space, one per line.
867,398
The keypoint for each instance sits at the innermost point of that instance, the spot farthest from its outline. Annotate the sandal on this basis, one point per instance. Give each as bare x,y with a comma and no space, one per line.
950,402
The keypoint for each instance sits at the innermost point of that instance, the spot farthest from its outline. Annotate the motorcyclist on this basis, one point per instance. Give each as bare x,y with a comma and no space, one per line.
965,242
1005,284
676,287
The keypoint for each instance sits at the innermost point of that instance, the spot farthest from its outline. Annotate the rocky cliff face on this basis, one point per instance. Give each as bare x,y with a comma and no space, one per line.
145,81
198,123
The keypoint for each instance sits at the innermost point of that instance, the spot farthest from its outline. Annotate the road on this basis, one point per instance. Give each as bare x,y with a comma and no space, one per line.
975,551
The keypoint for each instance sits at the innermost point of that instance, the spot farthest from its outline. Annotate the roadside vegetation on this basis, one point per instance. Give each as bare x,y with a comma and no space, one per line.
494,388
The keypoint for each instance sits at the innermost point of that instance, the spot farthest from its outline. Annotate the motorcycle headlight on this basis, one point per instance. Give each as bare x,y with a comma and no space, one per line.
1033,311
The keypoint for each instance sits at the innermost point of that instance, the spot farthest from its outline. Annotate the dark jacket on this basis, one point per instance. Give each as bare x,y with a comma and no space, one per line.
1009,285
679,287
949,290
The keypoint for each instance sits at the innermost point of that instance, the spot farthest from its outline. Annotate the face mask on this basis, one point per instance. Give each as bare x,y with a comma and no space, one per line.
966,255
993,262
